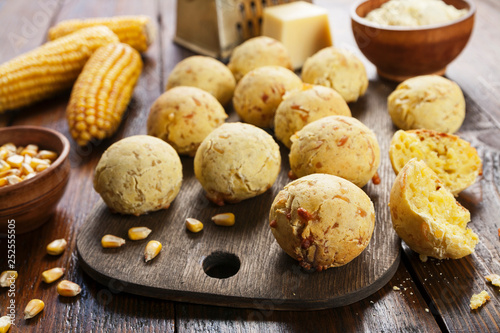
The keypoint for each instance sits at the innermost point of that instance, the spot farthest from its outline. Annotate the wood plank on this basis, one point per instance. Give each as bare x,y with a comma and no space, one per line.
100,308
387,310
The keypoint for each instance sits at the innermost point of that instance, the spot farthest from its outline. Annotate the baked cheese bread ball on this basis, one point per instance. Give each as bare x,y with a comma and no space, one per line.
205,73
183,117
336,145
236,162
303,106
257,52
338,69
322,221
428,101
259,93
138,174
426,215
454,160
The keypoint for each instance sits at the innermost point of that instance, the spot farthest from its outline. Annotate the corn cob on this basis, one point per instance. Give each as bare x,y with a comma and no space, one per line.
136,31
102,92
50,68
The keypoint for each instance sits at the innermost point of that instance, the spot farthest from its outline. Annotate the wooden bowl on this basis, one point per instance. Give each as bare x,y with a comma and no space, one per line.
31,202
403,52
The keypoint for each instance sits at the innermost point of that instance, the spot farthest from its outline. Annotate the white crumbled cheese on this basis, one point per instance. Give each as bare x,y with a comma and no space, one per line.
414,13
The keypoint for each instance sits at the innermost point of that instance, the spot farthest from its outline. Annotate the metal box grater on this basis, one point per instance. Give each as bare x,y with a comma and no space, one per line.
215,27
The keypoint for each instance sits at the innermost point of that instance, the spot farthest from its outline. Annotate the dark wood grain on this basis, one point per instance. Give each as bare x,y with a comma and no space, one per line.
105,308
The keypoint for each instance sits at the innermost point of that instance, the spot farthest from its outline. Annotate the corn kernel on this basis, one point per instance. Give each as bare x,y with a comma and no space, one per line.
4,166
47,155
19,150
7,278
225,219
31,147
29,176
28,152
68,289
138,233
5,324
34,307
152,249
36,162
27,159
41,167
52,274
110,241
26,169
13,179
3,182
9,146
15,161
194,225
57,247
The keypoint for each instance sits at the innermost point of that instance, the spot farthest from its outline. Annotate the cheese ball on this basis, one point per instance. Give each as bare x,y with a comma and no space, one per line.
236,162
184,116
426,215
454,160
205,73
301,107
322,221
259,93
338,69
429,101
257,52
138,174
336,145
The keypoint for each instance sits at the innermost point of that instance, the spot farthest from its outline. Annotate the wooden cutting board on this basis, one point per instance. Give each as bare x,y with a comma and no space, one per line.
199,267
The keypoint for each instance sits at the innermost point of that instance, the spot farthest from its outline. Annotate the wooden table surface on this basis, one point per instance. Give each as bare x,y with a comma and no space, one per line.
434,296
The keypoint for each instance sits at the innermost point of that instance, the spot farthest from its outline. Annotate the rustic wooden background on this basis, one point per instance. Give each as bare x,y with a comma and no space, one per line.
442,287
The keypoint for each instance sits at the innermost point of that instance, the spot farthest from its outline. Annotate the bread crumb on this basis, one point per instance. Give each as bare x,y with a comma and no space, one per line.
494,279
423,258
477,300
396,288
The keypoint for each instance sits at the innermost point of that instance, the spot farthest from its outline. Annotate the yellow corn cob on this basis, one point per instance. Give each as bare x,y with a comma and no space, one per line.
102,92
136,31
50,68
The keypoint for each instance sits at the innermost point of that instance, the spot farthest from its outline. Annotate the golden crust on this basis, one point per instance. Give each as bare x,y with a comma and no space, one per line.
338,69
426,215
337,145
259,93
428,101
236,162
258,52
205,73
184,116
322,220
138,174
301,107
454,160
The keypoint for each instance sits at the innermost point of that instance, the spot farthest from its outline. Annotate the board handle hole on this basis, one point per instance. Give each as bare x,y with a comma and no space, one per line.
221,265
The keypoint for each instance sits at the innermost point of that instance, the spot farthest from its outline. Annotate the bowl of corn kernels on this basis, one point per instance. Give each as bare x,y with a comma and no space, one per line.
34,172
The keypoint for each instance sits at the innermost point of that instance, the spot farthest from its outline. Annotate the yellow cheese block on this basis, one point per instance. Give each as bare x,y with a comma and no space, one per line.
302,27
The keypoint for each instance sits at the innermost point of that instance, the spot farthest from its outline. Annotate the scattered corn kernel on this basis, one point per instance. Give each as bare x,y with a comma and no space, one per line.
47,155
34,307
138,233
57,247
52,274
225,219
15,161
194,225
152,249
7,278
110,241
68,289
4,324
396,288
